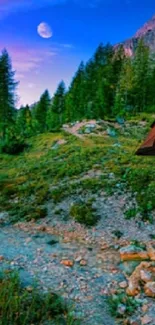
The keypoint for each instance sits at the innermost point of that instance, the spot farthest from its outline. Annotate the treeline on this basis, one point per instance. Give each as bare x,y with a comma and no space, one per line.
108,85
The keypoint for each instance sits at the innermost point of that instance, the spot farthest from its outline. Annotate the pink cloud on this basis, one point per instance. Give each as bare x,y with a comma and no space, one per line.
25,60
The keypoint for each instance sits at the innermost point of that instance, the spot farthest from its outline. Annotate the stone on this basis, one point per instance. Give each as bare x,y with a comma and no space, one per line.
1,257
78,259
68,263
55,146
28,240
134,321
91,126
89,298
104,246
145,276
123,284
145,308
120,120
65,126
133,252
41,228
121,309
111,175
111,132
87,130
151,252
83,263
61,142
149,289
29,289
146,320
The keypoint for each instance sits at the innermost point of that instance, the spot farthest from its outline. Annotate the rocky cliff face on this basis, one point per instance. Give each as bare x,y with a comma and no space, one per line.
147,32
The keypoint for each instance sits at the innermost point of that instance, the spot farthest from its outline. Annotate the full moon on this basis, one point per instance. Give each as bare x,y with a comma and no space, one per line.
44,30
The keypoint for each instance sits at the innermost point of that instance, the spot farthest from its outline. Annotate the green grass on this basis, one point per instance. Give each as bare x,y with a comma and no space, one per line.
20,306
31,179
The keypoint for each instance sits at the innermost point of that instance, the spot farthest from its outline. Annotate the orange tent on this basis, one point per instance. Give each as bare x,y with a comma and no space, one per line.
148,147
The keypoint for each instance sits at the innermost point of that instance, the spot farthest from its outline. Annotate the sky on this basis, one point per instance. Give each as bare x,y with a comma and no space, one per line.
47,39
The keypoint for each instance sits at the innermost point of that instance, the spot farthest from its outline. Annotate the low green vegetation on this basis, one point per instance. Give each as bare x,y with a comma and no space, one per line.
138,244
41,174
117,233
121,305
22,306
131,213
84,213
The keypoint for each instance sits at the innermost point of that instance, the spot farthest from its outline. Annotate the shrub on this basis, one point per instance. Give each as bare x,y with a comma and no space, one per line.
122,300
12,145
84,213
131,213
118,233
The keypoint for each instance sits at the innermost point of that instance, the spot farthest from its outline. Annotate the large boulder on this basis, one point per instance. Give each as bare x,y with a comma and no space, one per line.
133,252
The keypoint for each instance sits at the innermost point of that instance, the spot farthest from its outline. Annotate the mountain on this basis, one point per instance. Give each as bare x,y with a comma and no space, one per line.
147,32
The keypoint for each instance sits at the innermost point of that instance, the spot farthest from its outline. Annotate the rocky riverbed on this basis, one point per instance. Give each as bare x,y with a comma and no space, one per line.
84,265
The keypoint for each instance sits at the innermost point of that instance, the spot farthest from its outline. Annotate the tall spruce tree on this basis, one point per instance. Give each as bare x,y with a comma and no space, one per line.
7,93
56,112
41,111
24,121
99,81
75,98
151,91
141,76
124,91
105,79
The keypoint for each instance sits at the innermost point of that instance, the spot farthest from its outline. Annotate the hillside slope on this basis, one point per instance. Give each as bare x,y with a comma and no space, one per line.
85,198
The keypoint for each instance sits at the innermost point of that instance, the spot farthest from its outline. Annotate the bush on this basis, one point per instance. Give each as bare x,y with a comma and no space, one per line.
131,213
12,145
84,213
117,301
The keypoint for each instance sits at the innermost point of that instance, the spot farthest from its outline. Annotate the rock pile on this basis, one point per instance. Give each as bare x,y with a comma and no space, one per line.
143,276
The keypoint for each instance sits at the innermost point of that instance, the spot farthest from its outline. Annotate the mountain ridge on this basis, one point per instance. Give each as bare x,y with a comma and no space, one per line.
146,32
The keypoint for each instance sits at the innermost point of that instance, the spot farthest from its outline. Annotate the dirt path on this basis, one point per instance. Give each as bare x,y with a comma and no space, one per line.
74,130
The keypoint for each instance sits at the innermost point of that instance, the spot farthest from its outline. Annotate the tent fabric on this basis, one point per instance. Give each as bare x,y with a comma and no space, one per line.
148,147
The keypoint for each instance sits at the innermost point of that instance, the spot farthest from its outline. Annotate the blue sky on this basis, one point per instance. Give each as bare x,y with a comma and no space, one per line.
78,26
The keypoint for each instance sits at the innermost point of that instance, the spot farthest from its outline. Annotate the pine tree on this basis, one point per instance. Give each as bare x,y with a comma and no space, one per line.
7,92
151,91
56,113
105,80
41,111
118,62
24,121
90,90
75,99
124,91
99,74
141,76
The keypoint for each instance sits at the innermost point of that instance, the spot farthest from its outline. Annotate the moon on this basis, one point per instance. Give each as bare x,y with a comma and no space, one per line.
44,30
